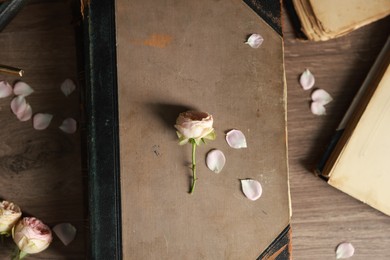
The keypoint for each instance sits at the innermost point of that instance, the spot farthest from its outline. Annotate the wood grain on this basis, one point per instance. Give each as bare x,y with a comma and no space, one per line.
322,215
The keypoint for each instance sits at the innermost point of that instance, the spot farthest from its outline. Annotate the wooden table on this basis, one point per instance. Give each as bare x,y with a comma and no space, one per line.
322,215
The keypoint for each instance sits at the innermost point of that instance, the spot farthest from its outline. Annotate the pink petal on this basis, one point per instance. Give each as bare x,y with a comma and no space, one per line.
69,126
26,114
255,40
66,232
317,108
5,89
252,189
215,160
41,121
18,104
236,139
67,87
344,250
22,89
321,96
307,80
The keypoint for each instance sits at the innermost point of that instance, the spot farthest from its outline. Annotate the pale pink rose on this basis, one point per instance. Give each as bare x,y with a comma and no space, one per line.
31,235
194,125
9,215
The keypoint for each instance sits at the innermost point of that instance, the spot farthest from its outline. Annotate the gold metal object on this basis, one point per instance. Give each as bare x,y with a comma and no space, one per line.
11,70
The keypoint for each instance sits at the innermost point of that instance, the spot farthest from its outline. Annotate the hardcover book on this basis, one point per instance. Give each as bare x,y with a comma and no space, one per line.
170,57
357,160
319,20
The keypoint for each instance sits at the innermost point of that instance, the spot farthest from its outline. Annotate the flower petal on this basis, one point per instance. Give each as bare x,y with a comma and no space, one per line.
255,40
236,139
26,114
5,89
252,189
321,96
22,89
41,121
344,250
66,232
67,87
317,108
215,160
18,104
307,80
69,126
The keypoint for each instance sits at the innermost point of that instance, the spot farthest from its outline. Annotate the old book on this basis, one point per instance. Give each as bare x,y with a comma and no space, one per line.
358,158
171,56
323,20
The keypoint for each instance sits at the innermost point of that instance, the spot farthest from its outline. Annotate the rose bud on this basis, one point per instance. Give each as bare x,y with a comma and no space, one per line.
31,235
9,215
194,125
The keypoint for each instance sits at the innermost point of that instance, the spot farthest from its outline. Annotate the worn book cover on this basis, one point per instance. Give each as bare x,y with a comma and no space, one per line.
148,61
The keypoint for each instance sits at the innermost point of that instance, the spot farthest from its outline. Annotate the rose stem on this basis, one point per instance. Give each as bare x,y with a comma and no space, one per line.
193,166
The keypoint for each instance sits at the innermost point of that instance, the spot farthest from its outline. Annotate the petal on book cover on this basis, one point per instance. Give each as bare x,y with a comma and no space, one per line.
67,87
307,80
5,89
344,250
22,89
317,108
41,121
321,96
252,189
66,232
255,41
236,139
215,160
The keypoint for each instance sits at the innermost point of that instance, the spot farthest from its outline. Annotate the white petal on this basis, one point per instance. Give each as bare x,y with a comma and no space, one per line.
41,121
69,126
307,80
317,108
255,40
215,160
18,104
251,188
5,89
236,139
22,89
26,114
67,87
344,250
321,96
66,232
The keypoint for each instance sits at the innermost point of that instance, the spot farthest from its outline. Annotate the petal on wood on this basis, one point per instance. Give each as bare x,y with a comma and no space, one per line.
344,250
215,160
5,89
41,121
66,232
22,89
69,126
307,80
317,108
26,114
67,87
236,139
18,104
321,96
252,189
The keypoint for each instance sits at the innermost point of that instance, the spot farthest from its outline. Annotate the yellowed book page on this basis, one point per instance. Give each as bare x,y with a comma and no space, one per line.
363,168
339,17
